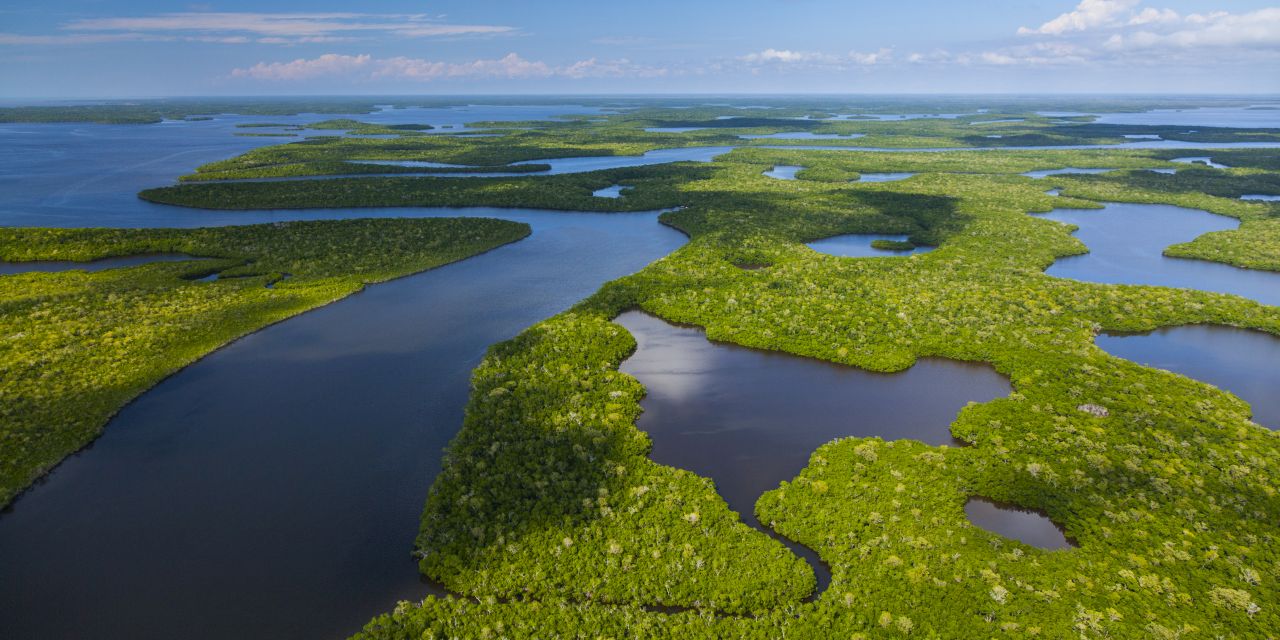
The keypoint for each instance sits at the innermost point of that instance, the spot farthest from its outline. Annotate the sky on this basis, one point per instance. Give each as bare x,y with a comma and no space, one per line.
136,48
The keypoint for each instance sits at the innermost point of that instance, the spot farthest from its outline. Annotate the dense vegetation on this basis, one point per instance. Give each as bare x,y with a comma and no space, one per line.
550,519
550,514
77,345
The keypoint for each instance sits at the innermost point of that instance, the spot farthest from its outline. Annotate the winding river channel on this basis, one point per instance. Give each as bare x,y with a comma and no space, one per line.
282,477
273,489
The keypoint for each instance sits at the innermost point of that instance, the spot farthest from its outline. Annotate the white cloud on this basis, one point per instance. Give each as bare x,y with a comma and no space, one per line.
1258,29
787,56
1154,16
265,28
329,64
366,67
782,55
1089,14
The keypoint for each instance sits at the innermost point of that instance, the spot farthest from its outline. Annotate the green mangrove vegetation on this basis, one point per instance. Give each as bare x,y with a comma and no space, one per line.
548,517
76,346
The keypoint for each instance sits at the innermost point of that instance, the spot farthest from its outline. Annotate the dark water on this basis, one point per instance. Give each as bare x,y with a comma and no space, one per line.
273,489
1246,363
858,245
1126,240
749,419
784,171
47,266
88,175
1031,527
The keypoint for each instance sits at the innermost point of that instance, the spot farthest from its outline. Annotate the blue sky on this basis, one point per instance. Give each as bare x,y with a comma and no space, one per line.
65,48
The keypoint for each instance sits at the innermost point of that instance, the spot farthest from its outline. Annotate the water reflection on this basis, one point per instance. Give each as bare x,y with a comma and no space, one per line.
1025,525
1246,363
784,171
858,245
1126,242
282,477
803,135
1204,160
883,177
749,419
1044,173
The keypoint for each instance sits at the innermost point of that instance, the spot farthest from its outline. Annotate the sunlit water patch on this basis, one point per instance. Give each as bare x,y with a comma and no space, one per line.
1044,173
1260,196
803,135
784,171
614,191
1126,242
1024,525
883,177
673,129
584,163
1204,160
859,245
1246,363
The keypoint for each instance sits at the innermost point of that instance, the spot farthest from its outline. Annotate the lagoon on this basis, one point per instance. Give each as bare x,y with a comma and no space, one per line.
1126,242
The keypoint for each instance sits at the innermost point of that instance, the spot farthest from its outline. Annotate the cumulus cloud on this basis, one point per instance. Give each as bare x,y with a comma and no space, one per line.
1089,14
266,28
1254,30
366,67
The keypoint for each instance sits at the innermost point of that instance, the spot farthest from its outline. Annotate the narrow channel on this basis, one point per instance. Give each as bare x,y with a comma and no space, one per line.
273,489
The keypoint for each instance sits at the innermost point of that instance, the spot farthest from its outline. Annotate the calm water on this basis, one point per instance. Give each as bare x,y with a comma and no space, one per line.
784,171
614,191
88,175
1126,241
1044,173
583,164
673,129
1246,363
858,245
280,479
1206,117
1204,160
883,177
749,419
48,266
1027,526
1136,144
803,135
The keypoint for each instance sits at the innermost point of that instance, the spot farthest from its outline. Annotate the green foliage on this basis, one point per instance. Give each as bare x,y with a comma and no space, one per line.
892,245
1171,495
550,517
77,345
